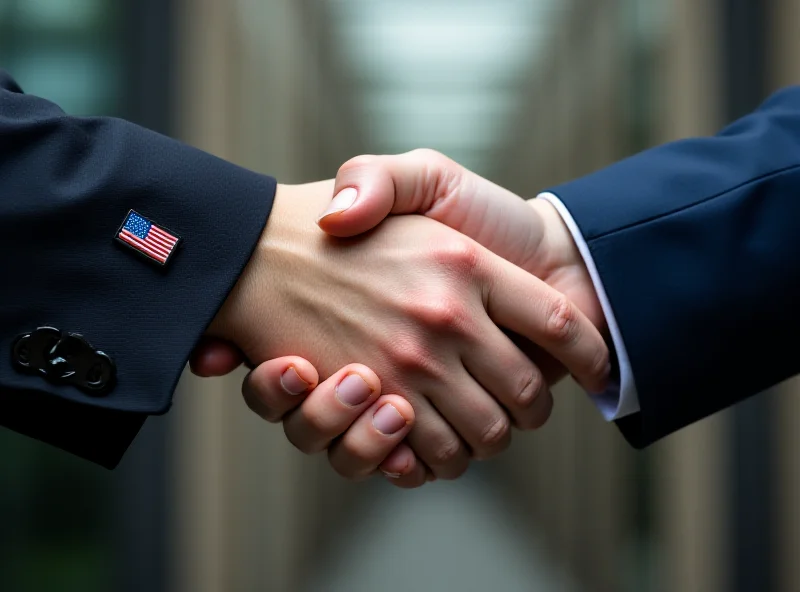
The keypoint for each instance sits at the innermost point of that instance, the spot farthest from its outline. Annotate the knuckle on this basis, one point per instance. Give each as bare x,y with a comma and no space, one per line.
409,354
426,154
562,320
357,455
315,423
599,367
431,159
356,163
459,254
495,435
529,384
442,313
442,176
446,452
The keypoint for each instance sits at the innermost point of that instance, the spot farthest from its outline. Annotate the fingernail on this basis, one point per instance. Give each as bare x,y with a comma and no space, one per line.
353,390
391,475
292,383
387,420
343,200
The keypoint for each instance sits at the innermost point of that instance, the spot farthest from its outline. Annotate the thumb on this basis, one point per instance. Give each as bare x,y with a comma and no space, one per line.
369,188
215,357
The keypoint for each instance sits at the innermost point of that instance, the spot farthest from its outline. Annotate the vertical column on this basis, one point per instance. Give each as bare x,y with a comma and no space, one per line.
249,505
204,103
690,490
783,69
562,434
604,458
575,467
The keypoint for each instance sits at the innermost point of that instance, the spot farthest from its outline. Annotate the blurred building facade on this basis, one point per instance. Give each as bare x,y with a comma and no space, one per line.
210,498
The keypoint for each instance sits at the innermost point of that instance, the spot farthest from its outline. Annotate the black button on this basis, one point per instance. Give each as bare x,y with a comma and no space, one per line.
64,358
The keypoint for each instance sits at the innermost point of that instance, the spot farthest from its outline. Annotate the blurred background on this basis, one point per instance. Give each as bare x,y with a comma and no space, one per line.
526,92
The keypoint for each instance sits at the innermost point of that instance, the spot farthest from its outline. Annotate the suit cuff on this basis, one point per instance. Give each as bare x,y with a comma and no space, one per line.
621,398
98,435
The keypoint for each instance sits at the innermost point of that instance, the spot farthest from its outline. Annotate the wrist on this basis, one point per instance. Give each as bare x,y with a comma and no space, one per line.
568,259
557,241
285,258
228,323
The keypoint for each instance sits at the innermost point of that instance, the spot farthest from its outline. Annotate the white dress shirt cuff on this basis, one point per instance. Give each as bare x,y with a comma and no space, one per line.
620,399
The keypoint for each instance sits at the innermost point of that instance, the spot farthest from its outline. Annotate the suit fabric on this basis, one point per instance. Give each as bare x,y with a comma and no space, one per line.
66,185
697,244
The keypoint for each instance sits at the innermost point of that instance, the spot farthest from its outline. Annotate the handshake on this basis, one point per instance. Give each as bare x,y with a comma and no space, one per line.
466,307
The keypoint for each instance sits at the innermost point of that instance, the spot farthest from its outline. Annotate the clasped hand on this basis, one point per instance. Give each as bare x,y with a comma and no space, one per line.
466,312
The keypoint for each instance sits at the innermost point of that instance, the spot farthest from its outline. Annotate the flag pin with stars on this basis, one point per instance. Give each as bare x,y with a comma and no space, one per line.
154,242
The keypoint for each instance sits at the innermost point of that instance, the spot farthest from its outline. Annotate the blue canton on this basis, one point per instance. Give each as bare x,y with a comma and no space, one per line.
137,225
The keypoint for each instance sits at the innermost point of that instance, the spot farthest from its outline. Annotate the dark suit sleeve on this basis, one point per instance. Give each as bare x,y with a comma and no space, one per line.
66,185
697,244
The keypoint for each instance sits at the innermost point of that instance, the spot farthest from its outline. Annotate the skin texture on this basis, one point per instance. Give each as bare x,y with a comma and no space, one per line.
368,189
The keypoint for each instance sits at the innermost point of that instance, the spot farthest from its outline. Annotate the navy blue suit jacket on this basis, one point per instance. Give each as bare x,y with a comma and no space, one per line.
697,244
66,185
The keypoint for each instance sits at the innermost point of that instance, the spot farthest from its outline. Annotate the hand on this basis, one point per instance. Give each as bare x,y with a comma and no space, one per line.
416,301
530,234
373,430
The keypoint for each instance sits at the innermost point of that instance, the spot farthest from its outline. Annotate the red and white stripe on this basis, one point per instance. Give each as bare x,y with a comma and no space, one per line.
158,244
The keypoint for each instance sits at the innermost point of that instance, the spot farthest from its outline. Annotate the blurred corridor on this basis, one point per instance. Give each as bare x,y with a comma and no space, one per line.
526,92
451,536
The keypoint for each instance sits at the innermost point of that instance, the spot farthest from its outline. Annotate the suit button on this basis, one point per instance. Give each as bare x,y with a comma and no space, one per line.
64,358
29,350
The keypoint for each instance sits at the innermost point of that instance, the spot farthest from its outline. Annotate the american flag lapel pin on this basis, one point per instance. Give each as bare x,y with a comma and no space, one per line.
148,239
